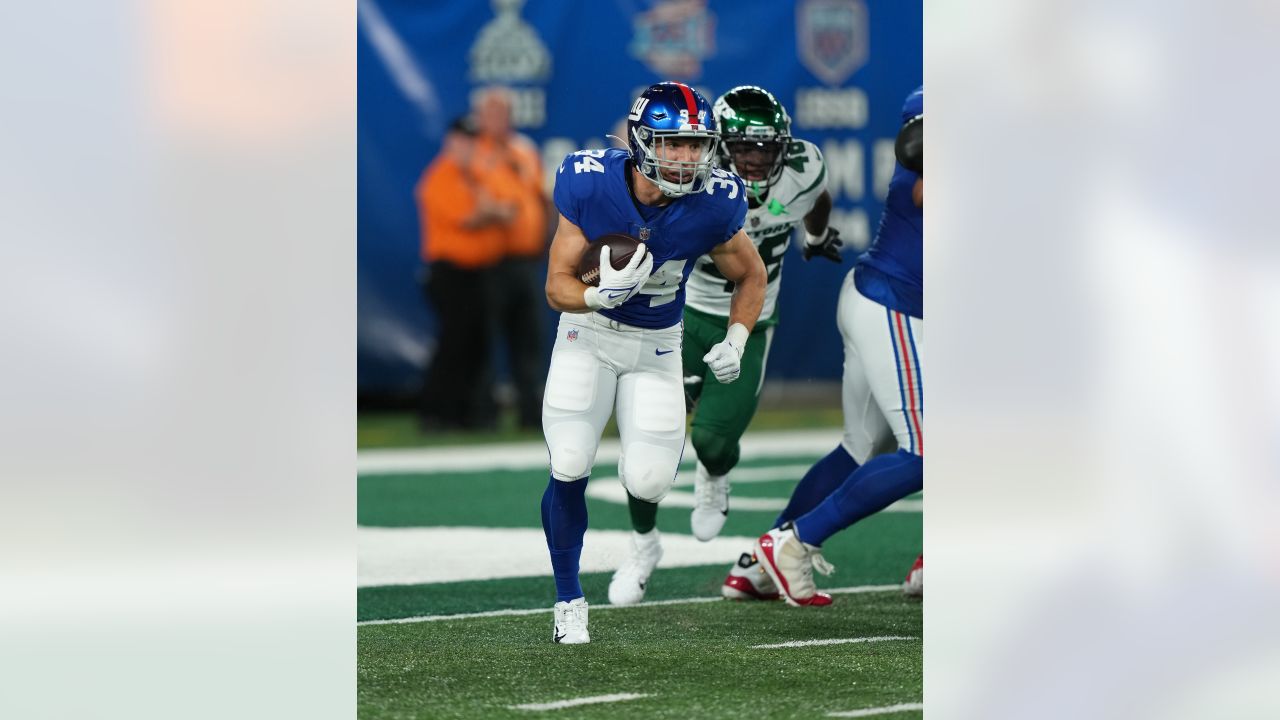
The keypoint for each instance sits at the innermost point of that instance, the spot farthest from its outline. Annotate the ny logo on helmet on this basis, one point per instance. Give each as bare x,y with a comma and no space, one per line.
637,108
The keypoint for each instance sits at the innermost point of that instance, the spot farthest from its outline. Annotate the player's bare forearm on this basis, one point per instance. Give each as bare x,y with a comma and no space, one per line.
565,293
815,221
748,299
564,289
739,261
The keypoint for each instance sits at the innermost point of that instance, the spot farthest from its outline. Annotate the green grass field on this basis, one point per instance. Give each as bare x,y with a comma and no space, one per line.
441,537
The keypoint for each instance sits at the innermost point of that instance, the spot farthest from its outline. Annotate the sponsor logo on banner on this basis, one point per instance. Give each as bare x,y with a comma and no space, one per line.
508,51
674,37
832,38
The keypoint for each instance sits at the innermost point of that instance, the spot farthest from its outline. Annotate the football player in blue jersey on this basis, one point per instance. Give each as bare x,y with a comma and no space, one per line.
618,343
786,179
881,318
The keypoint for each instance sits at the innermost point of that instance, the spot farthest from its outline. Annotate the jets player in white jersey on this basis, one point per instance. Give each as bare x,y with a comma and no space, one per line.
617,345
786,188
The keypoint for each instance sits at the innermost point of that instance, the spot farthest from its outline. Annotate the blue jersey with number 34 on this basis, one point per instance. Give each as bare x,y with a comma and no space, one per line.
591,191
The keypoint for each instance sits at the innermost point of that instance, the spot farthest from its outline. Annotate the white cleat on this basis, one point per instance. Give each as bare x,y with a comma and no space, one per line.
913,586
627,586
570,625
747,580
790,563
710,504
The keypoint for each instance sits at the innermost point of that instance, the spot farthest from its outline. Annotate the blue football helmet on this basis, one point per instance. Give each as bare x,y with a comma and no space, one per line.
664,112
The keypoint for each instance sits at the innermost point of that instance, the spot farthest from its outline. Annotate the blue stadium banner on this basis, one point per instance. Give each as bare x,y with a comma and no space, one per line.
842,68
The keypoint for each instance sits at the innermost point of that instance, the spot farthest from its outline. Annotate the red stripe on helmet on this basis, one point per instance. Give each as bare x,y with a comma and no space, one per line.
688,100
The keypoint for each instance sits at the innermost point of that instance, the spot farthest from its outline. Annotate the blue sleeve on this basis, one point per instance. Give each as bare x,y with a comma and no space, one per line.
568,193
739,213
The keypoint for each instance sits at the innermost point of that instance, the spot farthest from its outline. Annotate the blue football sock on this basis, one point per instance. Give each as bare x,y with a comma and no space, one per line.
871,488
564,522
824,477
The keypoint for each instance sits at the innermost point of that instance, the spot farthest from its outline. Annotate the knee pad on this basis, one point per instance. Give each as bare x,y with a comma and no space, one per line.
716,451
572,446
648,471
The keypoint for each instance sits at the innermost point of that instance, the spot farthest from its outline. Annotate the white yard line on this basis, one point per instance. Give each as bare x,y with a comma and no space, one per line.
419,555
611,490
559,704
516,456
868,712
597,608
833,641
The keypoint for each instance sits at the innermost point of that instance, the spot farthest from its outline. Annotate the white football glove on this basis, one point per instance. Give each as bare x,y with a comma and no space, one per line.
619,286
725,358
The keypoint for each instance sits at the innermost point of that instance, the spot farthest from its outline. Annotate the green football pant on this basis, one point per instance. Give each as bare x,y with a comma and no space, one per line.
723,411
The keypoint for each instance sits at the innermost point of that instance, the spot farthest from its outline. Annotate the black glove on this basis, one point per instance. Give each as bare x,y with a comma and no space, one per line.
829,248
909,147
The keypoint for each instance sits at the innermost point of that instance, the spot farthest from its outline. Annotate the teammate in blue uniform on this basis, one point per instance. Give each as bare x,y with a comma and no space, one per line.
618,344
881,318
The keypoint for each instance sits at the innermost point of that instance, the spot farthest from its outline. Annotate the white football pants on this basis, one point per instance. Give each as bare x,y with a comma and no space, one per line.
883,398
597,362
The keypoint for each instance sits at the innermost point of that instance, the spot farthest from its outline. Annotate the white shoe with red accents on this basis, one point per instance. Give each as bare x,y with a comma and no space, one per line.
748,581
913,586
790,563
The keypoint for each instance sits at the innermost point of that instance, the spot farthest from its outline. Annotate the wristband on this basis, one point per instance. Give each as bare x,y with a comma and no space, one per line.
737,336
814,239
592,298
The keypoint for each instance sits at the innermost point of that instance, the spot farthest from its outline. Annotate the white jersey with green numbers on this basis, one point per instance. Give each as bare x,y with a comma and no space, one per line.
804,177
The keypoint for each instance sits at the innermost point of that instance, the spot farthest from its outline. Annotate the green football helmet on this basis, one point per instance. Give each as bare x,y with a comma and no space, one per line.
755,131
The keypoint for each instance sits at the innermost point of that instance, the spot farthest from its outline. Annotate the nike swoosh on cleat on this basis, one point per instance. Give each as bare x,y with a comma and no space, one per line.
559,637
662,352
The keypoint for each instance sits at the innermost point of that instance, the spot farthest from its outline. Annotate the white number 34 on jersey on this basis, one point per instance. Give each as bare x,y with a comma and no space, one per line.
588,161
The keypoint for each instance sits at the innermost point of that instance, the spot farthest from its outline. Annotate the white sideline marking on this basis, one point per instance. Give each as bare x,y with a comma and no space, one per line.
855,590
517,456
868,712
617,697
833,641
417,555
611,490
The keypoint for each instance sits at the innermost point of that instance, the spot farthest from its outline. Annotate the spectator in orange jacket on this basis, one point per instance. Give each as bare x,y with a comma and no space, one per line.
463,210
519,300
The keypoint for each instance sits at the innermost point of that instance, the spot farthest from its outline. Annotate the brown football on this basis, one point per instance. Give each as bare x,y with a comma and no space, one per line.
621,248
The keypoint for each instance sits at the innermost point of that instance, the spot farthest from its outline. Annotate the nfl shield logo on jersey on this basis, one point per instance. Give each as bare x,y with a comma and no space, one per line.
644,234
573,335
